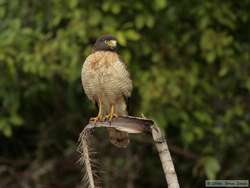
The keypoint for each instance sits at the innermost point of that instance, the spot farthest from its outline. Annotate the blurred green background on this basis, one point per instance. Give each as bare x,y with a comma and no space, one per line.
189,61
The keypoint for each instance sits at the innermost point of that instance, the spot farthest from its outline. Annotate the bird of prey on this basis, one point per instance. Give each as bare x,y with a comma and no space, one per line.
107,82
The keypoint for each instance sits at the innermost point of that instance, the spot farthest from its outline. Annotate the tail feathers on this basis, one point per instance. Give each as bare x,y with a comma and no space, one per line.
118,138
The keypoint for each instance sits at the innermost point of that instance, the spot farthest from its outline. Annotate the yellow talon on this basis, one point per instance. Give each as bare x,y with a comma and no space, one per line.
99,117
112,114
95,119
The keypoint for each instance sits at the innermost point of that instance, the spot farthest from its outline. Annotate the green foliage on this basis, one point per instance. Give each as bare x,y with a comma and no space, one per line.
189,61
211,167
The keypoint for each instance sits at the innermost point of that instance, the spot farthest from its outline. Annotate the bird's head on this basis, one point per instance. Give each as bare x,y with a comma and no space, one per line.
105,43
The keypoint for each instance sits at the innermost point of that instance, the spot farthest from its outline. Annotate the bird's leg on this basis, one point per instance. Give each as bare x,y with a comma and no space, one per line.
99,115
111,114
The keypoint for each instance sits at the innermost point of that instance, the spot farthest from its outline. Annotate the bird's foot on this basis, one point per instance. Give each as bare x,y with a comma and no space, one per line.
97,118
110,116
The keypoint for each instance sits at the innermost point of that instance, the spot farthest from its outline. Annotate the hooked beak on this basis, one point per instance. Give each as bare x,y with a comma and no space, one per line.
112,43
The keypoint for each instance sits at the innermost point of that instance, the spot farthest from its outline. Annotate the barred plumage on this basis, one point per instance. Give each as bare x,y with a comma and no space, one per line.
105,76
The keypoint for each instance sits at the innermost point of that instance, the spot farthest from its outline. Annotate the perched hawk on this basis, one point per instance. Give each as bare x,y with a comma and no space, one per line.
107,82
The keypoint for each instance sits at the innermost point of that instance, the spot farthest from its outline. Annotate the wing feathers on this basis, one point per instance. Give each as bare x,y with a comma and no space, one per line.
105,76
